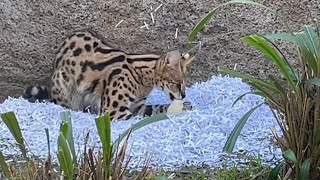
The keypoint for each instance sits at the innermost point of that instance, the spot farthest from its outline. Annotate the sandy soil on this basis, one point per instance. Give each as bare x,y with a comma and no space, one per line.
31,31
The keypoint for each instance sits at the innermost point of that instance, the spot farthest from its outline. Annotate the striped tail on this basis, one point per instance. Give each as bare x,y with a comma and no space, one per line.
34,93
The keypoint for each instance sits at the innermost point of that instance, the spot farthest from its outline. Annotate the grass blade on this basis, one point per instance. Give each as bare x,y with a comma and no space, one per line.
289,155
305,169
4,167
232,139
11,122
138,125
274,173
64,155
259,93
200,25
66,117
250,78
301,41
262,45
104,132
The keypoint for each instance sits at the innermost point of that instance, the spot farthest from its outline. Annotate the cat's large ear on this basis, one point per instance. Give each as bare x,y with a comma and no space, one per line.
173,58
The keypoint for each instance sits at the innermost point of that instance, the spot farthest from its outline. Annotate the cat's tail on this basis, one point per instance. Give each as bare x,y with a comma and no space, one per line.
36,92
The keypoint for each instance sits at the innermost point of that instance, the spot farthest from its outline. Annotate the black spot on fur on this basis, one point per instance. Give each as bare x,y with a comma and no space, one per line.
72,45
77,52
114,84
102,65
87,38
114,92
65,50
113,73
87,47
121,79
121,116
95,44
115,104
106,51
68,62
113,113
94,84
80,78
80,35
120,96
123,109
65,77
108,101
73,63
142,59
58,61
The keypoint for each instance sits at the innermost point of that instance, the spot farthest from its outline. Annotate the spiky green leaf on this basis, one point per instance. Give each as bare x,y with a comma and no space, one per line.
289,155
200,25
104,132
138,125
263,46
66,118
65,156
274,173
5,167
250,78
305,169
11,122
232,139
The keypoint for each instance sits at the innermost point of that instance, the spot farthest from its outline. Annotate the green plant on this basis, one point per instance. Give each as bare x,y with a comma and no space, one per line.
106,164
251,169
296,100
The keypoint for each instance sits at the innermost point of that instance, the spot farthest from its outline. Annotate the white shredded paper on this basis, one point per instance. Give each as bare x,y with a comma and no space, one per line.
193,138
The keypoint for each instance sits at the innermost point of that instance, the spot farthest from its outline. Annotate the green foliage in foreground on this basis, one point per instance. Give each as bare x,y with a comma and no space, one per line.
106,165
296,99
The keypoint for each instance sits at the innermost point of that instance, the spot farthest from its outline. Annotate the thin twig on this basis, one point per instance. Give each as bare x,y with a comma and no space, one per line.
155,10
119,23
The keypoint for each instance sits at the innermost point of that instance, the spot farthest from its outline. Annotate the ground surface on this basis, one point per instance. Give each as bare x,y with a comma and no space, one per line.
31,31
